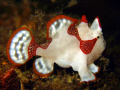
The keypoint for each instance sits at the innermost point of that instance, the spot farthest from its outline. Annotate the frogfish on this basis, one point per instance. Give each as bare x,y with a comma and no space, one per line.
71,43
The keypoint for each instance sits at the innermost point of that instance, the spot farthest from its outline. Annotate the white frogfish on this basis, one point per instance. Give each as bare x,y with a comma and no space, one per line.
70,44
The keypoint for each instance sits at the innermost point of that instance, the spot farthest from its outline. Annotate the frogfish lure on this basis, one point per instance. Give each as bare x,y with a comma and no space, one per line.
70,45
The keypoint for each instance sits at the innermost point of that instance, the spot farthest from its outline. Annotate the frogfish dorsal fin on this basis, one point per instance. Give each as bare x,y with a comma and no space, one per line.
57,23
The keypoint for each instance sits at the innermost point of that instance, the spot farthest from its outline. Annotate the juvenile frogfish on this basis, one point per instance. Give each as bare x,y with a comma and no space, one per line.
71,44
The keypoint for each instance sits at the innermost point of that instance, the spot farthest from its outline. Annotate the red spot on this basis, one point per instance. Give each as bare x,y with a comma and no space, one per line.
33,47
72,30
85,45
84,19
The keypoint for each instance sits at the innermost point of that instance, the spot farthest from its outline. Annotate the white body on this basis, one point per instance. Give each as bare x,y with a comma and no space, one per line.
63,50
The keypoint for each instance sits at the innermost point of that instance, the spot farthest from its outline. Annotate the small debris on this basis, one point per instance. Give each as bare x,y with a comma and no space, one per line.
71,3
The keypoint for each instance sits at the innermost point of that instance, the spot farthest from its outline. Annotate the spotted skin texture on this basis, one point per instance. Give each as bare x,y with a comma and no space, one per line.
33,46
70,45
85,45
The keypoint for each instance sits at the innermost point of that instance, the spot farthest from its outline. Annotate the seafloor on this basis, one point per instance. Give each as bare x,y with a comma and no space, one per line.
34,14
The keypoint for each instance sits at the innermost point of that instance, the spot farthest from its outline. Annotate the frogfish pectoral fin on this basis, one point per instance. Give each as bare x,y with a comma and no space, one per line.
43,67
21,46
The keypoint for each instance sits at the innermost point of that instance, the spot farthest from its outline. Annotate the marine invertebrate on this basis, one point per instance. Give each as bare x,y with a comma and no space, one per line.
70,45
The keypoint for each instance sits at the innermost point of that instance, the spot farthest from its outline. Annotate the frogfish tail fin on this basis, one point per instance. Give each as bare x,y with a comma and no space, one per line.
21,46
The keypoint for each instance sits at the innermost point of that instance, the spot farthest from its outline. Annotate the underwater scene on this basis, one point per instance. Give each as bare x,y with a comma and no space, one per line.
59,45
